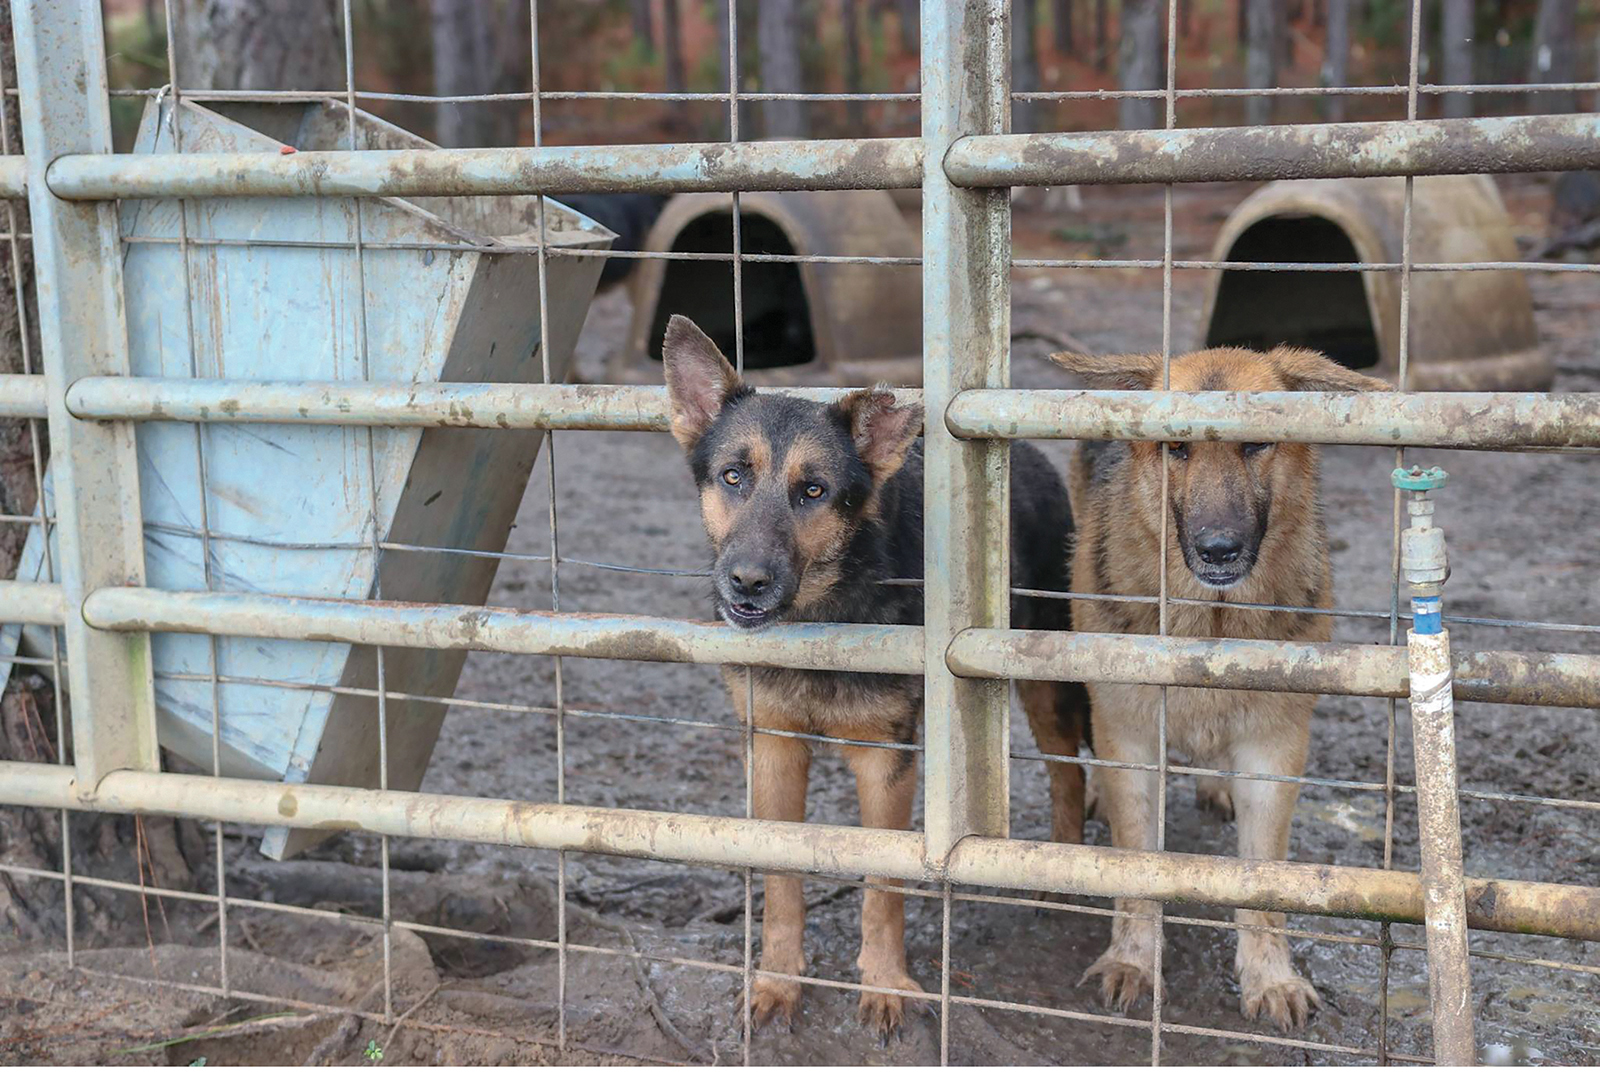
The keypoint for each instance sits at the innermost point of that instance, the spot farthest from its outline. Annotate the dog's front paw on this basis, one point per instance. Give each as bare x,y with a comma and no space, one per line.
773,999
884,1013
1288,1002
1122,981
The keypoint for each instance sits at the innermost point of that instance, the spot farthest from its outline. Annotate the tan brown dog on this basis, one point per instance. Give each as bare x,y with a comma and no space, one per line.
1244,524
810,508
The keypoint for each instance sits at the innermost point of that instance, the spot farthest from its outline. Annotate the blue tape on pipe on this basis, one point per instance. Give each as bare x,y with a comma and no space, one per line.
1428,619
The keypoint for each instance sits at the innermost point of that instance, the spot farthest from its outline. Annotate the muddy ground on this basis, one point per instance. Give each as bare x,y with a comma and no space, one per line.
1523,545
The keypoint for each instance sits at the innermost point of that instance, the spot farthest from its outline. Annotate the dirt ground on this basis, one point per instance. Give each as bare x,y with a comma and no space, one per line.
1523,546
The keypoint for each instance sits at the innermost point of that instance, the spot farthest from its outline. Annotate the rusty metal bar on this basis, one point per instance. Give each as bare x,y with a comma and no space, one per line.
1570,911
1430,419
874,649
485,406
61,71
1280,152
1506,677
1500,677
1383,148
966,313
1425,567
812,165
1439,826
1414,419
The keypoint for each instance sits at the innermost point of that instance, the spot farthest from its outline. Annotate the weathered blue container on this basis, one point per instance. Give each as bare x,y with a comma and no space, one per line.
277,295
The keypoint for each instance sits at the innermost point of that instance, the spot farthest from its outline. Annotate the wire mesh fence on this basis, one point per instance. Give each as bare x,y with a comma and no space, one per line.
103,613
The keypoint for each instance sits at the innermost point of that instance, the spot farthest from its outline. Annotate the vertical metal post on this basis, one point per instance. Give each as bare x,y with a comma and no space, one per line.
61,78
966,297
1433,735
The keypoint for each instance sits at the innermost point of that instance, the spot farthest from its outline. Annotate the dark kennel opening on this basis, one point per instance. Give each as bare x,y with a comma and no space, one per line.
1322,310
777,314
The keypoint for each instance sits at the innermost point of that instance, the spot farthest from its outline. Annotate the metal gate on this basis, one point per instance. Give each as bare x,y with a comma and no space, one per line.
965,165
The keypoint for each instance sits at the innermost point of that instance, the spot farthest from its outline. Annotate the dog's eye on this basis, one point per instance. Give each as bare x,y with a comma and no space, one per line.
1255,449
1178,450
731,476
814,492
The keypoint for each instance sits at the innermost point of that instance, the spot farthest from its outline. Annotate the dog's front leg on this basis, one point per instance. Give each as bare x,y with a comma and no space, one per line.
779,776
1268,982
1126,969
885,784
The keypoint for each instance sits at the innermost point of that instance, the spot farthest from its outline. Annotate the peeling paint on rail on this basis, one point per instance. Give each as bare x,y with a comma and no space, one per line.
1416,419
1279,152
810,165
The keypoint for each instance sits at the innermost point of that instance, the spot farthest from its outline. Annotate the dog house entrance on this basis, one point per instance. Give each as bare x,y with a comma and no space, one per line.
1322,310
777,315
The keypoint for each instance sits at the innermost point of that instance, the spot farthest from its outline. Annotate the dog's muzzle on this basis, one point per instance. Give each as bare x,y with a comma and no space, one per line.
749,594
1219,557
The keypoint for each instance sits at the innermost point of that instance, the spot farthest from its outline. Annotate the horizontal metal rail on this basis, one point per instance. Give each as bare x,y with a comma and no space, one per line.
812,165
1498,677
24,395
1426,419
1353,669
13,176
825,849
32,603
1279,152
1368,149
484,406
874,649
1415,419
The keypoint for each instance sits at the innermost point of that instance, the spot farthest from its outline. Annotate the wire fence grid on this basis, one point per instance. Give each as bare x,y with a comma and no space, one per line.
559,711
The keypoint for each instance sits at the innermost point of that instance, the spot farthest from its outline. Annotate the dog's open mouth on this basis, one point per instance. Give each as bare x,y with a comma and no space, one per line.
745,616
1218,578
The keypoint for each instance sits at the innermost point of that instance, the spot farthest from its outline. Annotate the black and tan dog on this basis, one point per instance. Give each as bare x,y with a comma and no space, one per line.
809,507
1244,524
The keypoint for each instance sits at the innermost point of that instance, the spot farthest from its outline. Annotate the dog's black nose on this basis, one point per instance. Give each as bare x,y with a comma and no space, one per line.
750,580
1218,547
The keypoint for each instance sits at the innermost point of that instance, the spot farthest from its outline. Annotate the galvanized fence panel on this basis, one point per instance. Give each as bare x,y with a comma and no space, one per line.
965,163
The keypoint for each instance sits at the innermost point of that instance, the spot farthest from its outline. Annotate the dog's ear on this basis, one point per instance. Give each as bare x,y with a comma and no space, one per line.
1113,372
882,428
1307,370
699,379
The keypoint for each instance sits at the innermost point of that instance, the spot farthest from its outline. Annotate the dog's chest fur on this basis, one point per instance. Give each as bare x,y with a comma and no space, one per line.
888,546
1117,553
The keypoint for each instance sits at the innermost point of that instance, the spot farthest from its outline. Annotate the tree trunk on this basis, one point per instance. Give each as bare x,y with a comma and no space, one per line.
463,63
1061,25
643,28
1024,62
910,27
672,46
1336,58
260,45
850,12
1456,45
1102,37
1139,65
778,38
1555,56
1264,21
